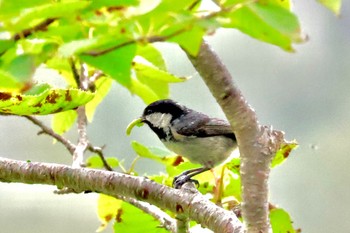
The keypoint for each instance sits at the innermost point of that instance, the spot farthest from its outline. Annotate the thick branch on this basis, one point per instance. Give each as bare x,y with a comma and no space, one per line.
194,205
257,144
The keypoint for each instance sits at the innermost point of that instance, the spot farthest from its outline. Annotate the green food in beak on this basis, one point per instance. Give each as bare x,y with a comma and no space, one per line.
137,122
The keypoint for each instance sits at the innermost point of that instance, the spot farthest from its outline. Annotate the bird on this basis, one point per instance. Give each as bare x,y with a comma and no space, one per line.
194,135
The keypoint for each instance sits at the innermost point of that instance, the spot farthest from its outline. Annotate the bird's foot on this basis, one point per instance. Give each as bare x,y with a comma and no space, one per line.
182,179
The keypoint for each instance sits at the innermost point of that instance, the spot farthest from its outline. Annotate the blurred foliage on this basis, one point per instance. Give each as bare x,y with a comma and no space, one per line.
113,39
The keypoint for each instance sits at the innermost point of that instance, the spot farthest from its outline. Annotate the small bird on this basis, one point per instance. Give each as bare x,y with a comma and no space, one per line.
194,135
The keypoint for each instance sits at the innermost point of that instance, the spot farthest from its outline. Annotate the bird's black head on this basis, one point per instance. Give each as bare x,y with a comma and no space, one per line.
160,114
166,106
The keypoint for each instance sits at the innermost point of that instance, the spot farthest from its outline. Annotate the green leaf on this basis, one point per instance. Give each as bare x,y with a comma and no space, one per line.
152,83
5,44
283,153
239,3
192,46
94,161
22,67
153,73
116,63
107,210
234,165
103,85
232,183
9,83
333,5
62,66
132,219
78,46
12,8
143,91
280,221
61,122
47,102
267,22
159,155
108,3
32,16
152,55
37,89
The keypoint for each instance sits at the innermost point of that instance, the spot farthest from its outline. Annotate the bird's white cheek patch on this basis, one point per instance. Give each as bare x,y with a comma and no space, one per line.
159,120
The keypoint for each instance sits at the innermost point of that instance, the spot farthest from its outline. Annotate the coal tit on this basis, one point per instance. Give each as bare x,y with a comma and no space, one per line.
194,135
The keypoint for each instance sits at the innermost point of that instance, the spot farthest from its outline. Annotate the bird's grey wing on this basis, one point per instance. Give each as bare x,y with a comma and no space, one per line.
205,127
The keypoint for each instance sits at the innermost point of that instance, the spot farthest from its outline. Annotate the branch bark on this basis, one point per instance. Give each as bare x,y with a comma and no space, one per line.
257,144
181,201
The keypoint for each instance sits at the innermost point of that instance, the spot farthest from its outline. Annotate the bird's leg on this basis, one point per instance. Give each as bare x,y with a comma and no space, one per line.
187,175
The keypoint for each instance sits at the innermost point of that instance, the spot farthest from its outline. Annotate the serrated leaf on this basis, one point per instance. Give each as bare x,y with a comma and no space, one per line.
116,63
333,5
152,83
31,16
47,102
267,22
132,219
280,221
61,122
107,209
152,54
103,85
37,89
283,153
151,72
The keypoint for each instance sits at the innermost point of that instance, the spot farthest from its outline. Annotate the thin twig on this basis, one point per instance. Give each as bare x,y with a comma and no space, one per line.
40,27
74,71
46,130
99,152
151,39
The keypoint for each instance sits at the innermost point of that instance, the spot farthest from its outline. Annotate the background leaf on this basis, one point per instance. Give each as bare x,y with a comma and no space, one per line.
280,221
47,102
132,219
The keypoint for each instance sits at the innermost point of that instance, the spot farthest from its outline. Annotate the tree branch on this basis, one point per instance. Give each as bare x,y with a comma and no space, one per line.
29,31
83,142
257,144
194,205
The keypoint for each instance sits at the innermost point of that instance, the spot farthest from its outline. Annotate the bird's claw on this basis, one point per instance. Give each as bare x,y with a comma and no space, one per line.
182,179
